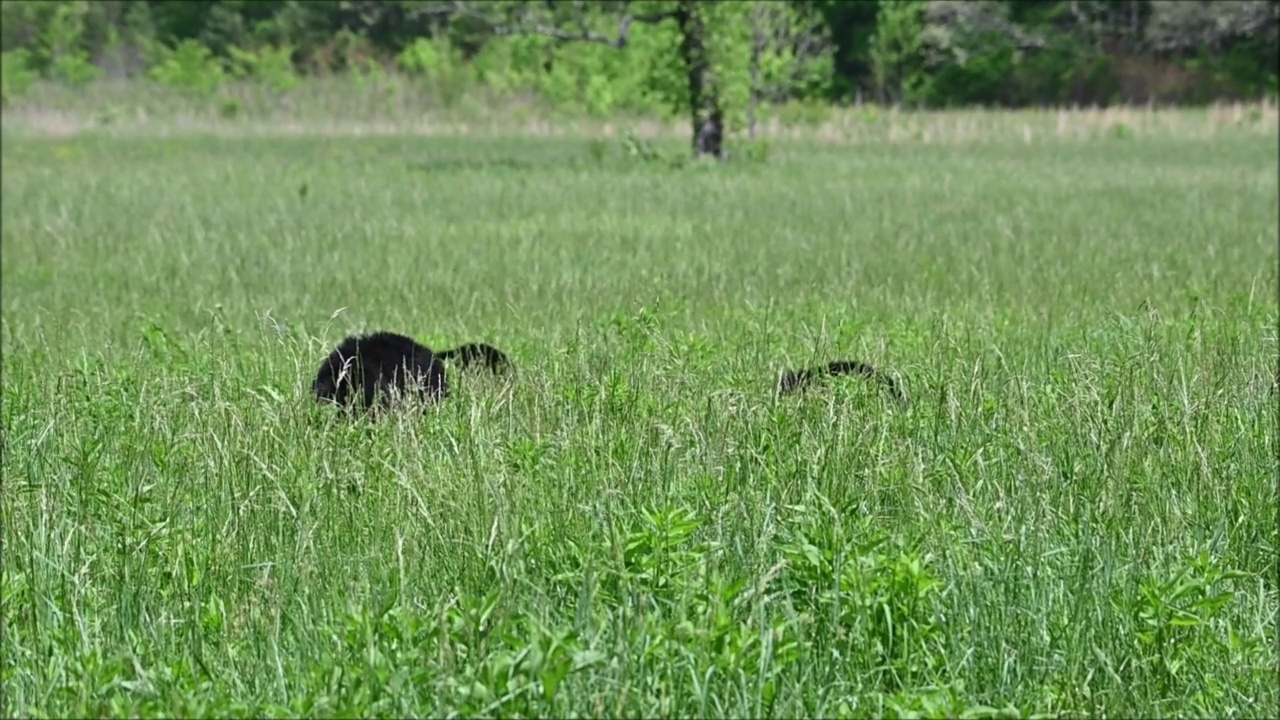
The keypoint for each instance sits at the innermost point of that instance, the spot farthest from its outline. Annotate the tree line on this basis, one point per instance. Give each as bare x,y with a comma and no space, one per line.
715,61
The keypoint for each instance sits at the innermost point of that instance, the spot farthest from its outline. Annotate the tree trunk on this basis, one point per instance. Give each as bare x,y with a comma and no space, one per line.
706,111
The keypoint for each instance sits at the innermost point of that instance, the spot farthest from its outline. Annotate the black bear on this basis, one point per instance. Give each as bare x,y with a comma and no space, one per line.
383,364
798,380
470,353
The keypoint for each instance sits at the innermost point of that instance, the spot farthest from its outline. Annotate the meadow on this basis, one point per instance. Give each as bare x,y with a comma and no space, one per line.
1075,514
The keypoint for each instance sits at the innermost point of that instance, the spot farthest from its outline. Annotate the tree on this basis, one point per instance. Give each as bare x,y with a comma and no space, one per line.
791,50
1185,25
896,49
710,45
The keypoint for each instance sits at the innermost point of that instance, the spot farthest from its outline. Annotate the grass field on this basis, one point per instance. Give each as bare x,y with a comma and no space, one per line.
1075,514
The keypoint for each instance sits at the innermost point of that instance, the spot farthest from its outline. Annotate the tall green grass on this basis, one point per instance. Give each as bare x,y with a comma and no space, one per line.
1075,515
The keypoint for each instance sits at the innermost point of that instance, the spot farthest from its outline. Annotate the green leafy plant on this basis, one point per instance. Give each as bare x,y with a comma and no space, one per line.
1176,615
272,66
895,51
61,41
190,66
864,595
16,75
439,65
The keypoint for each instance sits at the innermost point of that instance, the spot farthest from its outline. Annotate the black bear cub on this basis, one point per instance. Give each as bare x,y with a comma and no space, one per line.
377,366
472,353
798,380
364,367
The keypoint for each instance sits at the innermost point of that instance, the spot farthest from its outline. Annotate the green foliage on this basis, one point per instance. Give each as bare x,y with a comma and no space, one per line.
587,77
794,51
1062,73
58,49
68,62
426,58
438,64
594,78
16,75
983,80
1236,69
934,53
190,67
869,601
272,66
897,69
1181,617
508,65
646,76
661,76
729,49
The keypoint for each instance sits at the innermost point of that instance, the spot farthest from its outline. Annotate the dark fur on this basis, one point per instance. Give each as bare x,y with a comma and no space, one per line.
364,368
798,380
376,364
472,353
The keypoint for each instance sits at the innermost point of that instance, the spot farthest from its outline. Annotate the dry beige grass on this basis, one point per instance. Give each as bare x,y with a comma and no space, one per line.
322,108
